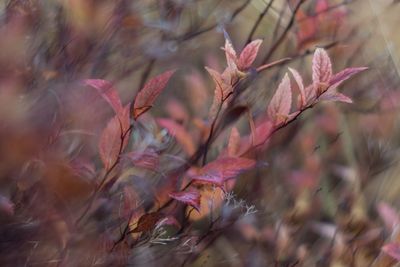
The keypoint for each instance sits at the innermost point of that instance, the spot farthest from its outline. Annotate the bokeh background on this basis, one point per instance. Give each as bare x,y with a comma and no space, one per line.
327,193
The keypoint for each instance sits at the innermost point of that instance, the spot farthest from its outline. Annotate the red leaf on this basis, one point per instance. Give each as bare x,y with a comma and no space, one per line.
107,91
321,68
148,94
393,250
180,134
191,197
223,169
300,85
249,54
281,102
343,75
110,144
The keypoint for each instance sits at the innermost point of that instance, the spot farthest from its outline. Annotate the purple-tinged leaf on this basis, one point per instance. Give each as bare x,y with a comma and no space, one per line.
147,95
191,197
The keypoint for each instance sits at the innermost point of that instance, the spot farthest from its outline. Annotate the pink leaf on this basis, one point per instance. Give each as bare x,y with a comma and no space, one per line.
393,250
333,95
191,197
116,132
343,75
310,94
300,85
321,68
107,91
279,107
230,53
223,169
249,54
148,94
180,134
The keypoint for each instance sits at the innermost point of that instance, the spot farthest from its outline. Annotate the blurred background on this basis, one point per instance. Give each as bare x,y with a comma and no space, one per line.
328,191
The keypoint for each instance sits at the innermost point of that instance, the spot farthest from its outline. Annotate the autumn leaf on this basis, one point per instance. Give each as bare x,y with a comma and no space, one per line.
107,91
147,222
281,102
393,250
223,169
147,95
300,85
191,197
113,139
180,134
321,70
248,54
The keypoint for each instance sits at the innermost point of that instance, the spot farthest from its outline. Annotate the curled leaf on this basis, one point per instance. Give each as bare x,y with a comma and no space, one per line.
191,197
147,95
